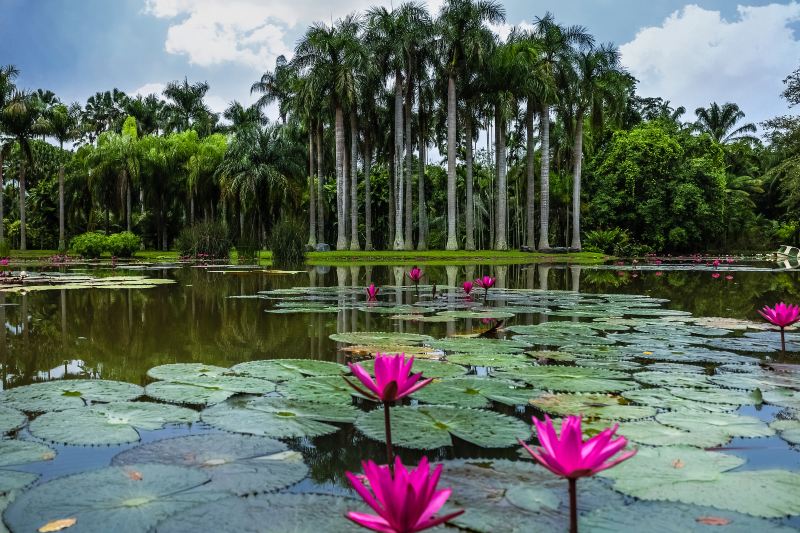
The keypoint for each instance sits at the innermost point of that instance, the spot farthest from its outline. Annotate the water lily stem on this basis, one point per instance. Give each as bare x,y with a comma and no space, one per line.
388,428
783,340
573,506
485,296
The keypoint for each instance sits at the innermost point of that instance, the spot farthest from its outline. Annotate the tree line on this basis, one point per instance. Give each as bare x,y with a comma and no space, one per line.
363,106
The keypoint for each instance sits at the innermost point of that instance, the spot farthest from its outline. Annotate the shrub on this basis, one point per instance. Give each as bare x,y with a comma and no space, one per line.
123,244
247,252
207,238
89,245
5,248
288,243
606,240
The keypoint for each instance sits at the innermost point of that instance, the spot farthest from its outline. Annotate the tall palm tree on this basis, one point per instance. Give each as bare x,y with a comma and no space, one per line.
721,123
460,30
8,74
148,112
20,120
185,105
556,44
63,124
276,85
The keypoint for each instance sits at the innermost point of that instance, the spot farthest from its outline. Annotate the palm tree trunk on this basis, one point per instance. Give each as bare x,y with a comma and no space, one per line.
320,210
409,210
399,242
544,188
452,240
390,222
312,204
22,170
576,183
470,205
191,207
500,241
62,245
530,199
2,197
367,196
354,245
422,210
341,238
346,189
129,202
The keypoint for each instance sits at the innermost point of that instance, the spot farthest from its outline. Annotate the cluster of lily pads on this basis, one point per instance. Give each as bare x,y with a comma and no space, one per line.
49,281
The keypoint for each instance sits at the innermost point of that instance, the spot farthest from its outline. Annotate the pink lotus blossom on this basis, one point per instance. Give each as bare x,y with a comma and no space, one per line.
467,287
659,273
415,274
406,501
486,282
393,378
781,315
372,292
715,275
729,277
4,261
730,260
715,263
657,261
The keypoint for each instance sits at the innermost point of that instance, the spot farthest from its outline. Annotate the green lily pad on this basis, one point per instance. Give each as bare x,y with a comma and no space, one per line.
563,339
479,346
429,369
130,498
68,393
397,309
431,427
11,480
278,418
324,389
789,430
496,361
652,433
185,371
733,425
618,365
755,380
18,452
591,406
108,424
479,315
672,379
380,337
185,394
236,463
663,399
474,392
570,378
783,398
714,395
432,319
285,369
287,513
675,367
11,419
419,352
547,355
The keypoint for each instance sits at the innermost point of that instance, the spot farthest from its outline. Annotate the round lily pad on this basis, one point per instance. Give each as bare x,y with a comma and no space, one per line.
185,394
497,361
672,379
108,424
236,463
285,369
185,371
279,418
782,397
730,424
431,427
479,315
591,406
11,480
429,369
11,419
789,430
129,498
652,433
474,392
419,352
380,337
324,389
714,395
663,399
68,393
570,378
477,345
18,452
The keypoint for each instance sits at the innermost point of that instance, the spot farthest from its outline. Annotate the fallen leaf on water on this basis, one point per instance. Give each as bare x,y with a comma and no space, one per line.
647,353
48,456
58,525
713,521
677,463
215,462
134,475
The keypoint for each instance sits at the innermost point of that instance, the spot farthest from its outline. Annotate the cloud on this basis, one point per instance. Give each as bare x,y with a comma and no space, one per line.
696,57
148,89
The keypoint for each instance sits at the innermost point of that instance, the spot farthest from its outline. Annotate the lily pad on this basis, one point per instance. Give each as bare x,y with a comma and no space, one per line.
497,361
285,369
238,464
185,394
431,427
324,389
278,418
68,393
783,398
130,498
380,337
185,371
714,395
733,425
663,399
11,480
11,419
476,345
108,424
570,378
474,392
18,452
789,430
591,406
429,369
672,379
652,433
419,352
482,314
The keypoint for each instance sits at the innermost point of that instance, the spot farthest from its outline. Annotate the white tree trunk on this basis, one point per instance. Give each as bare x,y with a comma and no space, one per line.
500,240
452,239
530,199
399,242
320,206
422,239
408,207
367,197
576,183
62,245
354,244
22,170
341,205
312,204
544,187
469,209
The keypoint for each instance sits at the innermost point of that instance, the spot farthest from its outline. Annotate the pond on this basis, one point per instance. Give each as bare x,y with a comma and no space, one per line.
674,352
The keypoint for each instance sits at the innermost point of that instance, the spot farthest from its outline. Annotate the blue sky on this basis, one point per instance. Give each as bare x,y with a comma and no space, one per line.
691,53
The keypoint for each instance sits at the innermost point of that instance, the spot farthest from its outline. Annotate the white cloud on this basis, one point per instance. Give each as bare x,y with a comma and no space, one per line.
696,57
148,89
504,28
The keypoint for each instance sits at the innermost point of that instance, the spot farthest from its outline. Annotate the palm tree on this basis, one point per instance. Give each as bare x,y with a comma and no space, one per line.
63,124
276,85
20,120
104,111
460,29
148,112
555,43
201,168
720,122
185,105
7,75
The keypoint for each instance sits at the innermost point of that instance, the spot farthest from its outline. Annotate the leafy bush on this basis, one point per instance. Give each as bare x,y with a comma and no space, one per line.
207,239
606,240
123,244
247,252
5,248
288,243
89,245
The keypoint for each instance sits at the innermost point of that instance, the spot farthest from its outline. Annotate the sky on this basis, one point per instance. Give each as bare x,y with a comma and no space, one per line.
689,53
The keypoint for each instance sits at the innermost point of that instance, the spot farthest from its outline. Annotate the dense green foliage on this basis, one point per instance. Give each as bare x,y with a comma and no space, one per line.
89,245
123,244
206,239
287,243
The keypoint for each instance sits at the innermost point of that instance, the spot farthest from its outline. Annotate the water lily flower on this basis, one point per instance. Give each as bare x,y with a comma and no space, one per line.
715,275
730,260
406,500
486,283
415,274
659,273
781,315
372,292
4,261
729,277
467,287
569,456
715,263
657,261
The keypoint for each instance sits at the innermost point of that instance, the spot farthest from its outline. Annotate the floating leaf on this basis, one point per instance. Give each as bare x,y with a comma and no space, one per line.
652,433
285,369
236,463
663,399
11,480
18,452
430,427
783,397
185,371
591,406
713,395
419,352
477,345
478,315
789,430
429,369
108,499
672,379
733,425
112,423
379,337
497,361
68,393
185,394
11,419
474,392
279,418
57,525
570,378
325,389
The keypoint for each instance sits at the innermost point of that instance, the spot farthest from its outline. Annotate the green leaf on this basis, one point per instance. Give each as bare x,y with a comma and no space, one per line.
715,395
238,464
11,480
652,433
479,346
185,394
570,378
185,371
431,427
672,379
18,452
663,399
497,361
429,369
478,315
729,424
324,389
285,369
380,337
591,406
789,430
68,393
11,419
474,392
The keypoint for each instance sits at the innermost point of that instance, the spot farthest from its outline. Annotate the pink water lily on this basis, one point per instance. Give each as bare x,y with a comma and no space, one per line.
467,287
4,261
415,274
715,263
715,275
782,315
372,292
486,282
406,501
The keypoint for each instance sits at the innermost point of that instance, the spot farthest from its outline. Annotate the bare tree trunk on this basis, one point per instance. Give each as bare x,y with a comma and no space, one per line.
470,205
409,209
346,190
576,183
390,221
530,199
399,242
354,245
2,196
320,207
341,239
129,201
500,241
191,207
22,170
422,210
62,245
367,196
452,239
312,204
544,188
